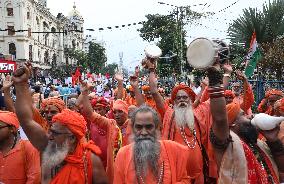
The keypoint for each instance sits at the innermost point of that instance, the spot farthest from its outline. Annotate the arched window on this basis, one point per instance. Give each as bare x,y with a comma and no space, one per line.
53,64
30,52
46,57
10,10
53,29
12,49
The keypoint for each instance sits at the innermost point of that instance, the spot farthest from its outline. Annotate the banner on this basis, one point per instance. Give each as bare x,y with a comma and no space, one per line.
7,66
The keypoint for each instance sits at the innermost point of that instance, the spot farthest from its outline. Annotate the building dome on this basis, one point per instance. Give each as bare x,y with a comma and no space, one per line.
75,14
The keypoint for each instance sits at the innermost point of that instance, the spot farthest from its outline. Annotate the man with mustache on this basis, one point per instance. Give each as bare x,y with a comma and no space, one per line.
267,104
150,160
188,126
66,156
240,157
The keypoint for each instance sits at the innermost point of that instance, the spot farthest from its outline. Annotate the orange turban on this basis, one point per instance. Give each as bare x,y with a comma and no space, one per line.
9,118
185,88
146,88
73,120
229,93
99,102
120,105
273,92
130,88
279,104
233,110
57,102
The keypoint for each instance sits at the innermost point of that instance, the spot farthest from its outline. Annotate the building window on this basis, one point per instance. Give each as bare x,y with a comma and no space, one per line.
28,15
11,30
10,11
12,49
30,52
46,57
29,32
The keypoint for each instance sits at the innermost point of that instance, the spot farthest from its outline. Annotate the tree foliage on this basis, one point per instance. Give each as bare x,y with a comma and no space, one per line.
268,24
169,31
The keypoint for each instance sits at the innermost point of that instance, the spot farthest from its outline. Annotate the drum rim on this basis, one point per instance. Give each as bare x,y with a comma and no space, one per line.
209,63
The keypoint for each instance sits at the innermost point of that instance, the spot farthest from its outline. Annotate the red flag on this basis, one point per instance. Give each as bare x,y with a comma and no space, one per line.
77,76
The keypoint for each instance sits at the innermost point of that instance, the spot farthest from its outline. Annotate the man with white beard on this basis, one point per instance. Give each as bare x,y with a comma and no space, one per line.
150,160
188,126
66,157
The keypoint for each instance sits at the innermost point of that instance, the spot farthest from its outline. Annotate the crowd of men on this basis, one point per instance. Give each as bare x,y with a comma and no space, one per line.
197,134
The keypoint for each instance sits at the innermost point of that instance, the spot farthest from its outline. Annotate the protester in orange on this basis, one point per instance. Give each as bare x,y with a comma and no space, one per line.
271,96
240,157
66,156
19,160
149,100
189,127
103,131
130,99
279,111
149,160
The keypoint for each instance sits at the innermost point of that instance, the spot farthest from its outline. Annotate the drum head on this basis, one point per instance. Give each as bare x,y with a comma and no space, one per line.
153,51
201,53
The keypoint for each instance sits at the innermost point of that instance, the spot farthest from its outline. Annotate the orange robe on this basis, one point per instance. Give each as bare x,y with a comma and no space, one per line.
74,171
130,100
173,155
112,141
203,122
151,102
21,165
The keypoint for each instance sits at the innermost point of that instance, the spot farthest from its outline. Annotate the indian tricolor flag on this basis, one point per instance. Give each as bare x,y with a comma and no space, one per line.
253,56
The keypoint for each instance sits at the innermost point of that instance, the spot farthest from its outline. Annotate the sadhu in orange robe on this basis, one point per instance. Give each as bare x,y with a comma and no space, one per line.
173,158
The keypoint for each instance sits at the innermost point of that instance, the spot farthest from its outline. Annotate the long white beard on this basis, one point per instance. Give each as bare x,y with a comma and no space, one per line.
52,156
184,116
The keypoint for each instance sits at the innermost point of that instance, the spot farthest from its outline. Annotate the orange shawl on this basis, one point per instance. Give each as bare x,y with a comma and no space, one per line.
77,168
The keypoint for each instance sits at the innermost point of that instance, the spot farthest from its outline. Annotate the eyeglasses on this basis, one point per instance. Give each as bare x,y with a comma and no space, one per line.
4,126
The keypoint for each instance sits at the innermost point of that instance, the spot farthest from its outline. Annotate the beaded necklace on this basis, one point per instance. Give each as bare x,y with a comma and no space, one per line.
161,176
191,144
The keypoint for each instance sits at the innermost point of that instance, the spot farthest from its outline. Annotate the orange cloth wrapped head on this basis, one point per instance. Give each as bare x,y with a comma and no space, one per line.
131,89
273,92
57,102
185,88
229,93
73,121
233,110
101,101
120,105
146,88
279,104
9,118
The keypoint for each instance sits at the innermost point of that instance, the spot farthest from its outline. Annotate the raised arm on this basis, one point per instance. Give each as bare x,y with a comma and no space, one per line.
119,79
7,94
23,105
220,133
138,95
227,74
160,102
248,98
86,107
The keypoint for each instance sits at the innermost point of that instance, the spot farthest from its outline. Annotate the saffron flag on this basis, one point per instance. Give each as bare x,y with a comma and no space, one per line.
253,56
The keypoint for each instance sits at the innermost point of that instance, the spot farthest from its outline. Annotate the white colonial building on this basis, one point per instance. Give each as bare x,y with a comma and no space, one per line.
29,32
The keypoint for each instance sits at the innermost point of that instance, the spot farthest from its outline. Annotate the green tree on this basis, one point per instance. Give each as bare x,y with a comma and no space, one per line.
268,24
110,68
170,33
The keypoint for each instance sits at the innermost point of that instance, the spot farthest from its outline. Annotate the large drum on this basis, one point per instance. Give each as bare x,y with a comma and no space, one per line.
202,52
152,53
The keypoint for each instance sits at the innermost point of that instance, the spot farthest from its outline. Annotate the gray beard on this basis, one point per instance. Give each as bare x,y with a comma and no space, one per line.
52,156
146,155
184,116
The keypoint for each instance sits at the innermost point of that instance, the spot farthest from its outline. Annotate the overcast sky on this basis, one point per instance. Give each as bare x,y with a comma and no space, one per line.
110,13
